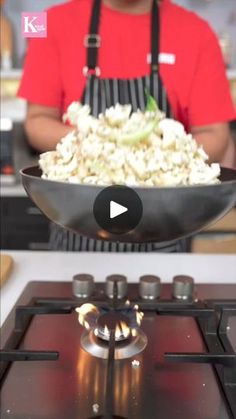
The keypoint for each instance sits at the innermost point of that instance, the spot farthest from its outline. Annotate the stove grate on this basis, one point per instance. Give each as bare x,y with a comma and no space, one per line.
211,316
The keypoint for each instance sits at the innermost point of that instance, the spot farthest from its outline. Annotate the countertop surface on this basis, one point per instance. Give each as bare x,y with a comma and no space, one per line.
61,266
15,190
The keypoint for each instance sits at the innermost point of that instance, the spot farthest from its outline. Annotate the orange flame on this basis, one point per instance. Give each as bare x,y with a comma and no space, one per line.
134,333
83,311
121,329
139,314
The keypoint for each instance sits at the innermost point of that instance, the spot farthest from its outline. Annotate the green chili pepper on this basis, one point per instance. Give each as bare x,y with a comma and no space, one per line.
151,103
137,136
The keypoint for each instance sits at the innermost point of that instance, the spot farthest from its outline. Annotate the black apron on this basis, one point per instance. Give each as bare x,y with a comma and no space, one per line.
100,94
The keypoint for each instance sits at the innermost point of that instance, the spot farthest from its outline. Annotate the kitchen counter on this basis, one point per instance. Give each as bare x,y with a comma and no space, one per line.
12,190
60,266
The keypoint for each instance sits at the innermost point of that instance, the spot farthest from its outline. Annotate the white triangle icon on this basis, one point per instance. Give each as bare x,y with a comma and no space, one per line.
116,209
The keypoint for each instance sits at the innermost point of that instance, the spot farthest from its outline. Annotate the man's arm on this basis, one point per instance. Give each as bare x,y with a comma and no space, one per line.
44,127
217,142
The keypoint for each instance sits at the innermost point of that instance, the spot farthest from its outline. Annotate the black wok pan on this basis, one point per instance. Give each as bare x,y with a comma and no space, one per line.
169,213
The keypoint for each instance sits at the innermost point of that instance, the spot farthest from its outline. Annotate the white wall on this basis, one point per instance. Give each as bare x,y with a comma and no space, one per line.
221,14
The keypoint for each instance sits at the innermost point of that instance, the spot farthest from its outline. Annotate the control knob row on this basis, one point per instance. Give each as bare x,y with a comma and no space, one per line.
149,286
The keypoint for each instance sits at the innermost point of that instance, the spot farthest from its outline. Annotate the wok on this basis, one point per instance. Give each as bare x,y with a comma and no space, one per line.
169,213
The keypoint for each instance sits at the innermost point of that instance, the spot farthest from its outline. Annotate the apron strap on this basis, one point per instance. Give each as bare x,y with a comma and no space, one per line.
93,40
155,37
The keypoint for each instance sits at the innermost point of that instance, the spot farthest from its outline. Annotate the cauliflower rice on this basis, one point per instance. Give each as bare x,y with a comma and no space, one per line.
124,148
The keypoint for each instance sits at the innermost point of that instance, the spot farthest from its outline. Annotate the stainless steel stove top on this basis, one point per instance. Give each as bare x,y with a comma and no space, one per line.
185,368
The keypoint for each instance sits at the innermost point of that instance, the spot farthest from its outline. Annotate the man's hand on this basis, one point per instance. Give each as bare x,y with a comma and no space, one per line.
217,142
44,127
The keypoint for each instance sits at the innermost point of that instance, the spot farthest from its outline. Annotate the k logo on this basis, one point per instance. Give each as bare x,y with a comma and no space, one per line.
34,25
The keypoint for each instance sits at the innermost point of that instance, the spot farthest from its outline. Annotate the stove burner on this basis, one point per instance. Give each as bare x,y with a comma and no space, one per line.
113,321
123,321
127,348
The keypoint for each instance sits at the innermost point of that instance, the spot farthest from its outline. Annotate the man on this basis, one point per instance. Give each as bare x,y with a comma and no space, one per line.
103,52
195,79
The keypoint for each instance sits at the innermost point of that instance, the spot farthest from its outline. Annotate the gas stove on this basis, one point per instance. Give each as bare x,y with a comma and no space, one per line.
148,350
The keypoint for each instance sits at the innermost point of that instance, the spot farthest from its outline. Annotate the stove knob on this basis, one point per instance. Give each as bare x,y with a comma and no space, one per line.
121,282
149,287
83,285
183,287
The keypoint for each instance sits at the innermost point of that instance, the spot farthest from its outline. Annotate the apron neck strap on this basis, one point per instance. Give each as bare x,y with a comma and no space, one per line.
93,40
155,37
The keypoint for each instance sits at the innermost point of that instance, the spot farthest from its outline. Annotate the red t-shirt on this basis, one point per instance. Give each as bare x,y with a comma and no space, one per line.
192,67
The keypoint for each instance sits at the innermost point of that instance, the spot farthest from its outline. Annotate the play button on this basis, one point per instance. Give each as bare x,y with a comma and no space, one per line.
118,209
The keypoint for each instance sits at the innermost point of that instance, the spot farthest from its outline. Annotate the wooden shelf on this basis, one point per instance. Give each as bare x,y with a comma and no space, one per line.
224,245
226,224
218,238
